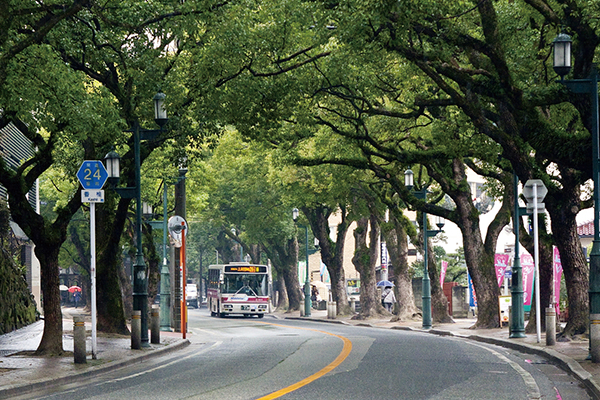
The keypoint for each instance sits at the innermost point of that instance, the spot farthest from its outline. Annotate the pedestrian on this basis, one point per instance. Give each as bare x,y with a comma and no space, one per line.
315,297
76,297
388,298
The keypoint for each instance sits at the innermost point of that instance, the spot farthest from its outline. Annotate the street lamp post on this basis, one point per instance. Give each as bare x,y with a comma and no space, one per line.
140,281
307,301
562,66
517,322
427,233
165,277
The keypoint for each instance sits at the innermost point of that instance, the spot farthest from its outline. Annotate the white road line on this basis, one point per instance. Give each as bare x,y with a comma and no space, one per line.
194,354
533,391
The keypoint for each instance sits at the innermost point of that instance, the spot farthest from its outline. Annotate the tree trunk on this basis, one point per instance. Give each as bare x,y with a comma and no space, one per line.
546,271
51,343
439,301
397,246
283,302
48,238
562,209
110,310
332,253
153,261
285,261
290,274
224,247
365,261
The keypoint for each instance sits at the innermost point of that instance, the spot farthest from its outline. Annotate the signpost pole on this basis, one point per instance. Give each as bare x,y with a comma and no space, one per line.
535,191
183,296
93,275
536,250
92,175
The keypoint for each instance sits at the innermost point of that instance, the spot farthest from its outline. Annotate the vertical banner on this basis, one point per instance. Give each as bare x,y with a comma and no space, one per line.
443,273
557,268
384,255
528,277
324,273
302,273
384,260
501,264
472,294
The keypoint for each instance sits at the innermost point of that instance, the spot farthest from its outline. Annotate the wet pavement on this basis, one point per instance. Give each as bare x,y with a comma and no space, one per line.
20,371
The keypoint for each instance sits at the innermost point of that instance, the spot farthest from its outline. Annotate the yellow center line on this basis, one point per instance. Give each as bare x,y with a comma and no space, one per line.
339,359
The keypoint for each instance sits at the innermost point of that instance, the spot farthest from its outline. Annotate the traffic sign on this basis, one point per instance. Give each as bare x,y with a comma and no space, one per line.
92,196
92,174
176,225
541,192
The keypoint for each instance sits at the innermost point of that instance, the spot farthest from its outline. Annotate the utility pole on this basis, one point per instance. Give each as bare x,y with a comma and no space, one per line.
180,207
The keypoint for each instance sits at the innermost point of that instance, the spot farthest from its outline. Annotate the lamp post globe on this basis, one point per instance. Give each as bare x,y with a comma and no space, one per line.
409,177
160,113
113,168
562,54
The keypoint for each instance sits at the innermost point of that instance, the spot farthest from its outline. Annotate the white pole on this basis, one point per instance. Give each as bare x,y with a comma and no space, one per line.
93,273
538,310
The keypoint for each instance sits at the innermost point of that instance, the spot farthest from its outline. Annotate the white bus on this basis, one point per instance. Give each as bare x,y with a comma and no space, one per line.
238,288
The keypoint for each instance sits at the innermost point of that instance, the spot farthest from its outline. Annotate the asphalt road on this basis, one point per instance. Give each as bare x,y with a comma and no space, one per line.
247,358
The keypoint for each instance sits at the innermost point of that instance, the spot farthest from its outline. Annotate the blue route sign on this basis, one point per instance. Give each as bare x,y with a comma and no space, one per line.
92,174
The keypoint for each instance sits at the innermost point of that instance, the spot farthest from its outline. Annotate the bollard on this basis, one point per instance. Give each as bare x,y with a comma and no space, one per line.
353,305
595,337
550,326
302,310
136,330
79,352
331,309
155,325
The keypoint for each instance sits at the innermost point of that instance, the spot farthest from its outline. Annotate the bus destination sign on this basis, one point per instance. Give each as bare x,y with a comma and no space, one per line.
246,268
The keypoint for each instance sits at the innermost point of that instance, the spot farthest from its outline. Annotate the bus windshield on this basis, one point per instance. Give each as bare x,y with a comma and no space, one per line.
250,284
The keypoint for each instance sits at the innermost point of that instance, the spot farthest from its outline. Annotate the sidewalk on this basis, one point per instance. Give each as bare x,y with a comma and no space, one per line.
571,356
20,371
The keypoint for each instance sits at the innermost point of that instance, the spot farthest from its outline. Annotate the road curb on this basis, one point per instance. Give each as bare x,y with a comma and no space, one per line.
111,365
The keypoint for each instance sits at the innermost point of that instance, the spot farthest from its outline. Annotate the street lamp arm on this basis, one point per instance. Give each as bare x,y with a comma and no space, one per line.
126,192
429,208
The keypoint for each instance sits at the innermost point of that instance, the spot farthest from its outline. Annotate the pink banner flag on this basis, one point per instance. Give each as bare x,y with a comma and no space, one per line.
501,264
528,275
443,272
557,268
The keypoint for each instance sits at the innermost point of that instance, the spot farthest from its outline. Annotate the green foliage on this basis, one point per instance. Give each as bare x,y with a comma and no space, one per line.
17,306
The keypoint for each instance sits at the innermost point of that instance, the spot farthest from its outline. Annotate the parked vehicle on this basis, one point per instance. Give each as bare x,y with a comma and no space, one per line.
191,295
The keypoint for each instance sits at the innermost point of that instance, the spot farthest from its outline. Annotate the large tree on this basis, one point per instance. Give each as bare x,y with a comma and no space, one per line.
490,61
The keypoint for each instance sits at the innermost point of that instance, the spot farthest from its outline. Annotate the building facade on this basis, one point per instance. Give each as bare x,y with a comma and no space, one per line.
15,148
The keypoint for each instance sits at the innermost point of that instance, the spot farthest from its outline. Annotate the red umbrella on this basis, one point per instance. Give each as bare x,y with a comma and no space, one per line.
74,289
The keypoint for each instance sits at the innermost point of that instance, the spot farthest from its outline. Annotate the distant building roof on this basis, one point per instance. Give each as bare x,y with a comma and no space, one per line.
586,229
18,232
14,149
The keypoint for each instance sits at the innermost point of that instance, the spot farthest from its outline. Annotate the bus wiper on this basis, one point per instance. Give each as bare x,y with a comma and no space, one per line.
247,287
